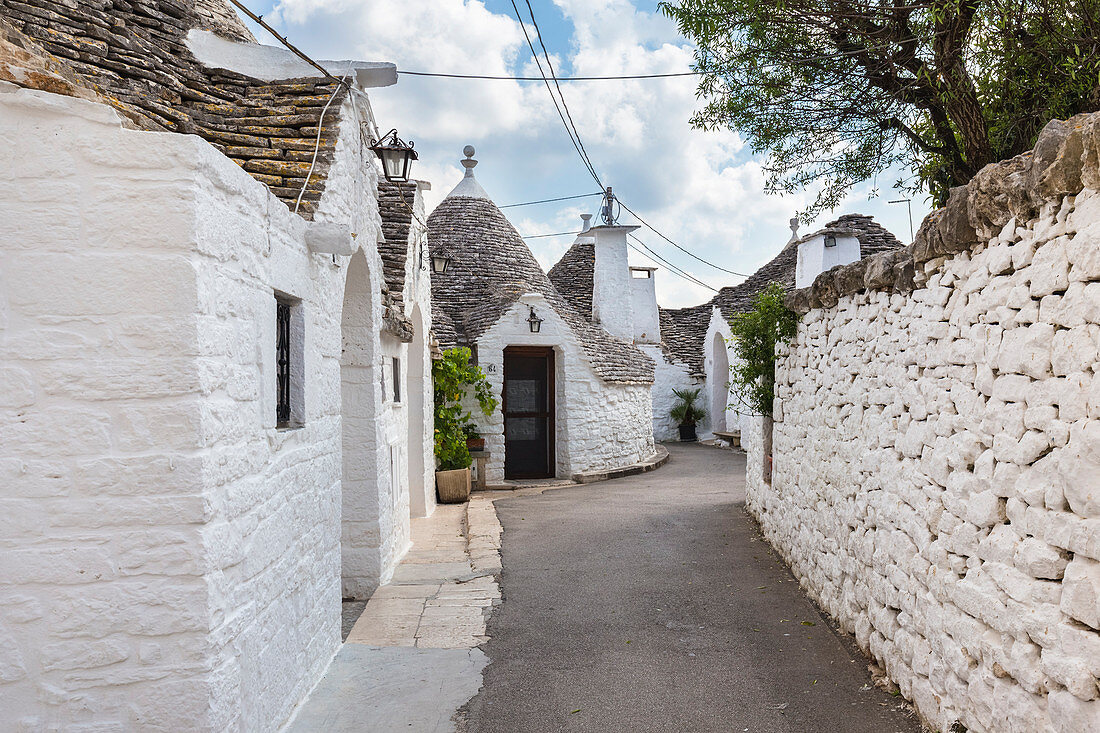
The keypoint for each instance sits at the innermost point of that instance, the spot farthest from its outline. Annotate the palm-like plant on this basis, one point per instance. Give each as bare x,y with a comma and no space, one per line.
685,411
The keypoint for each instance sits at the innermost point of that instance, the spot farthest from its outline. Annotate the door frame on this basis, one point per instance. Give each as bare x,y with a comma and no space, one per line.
551,407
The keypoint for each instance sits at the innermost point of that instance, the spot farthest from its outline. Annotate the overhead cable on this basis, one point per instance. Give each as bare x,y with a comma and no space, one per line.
676,270
553,98
682,249
546,201
555,234
553,75
625,77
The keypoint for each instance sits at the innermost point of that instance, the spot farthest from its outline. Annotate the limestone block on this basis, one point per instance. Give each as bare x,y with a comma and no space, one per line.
1027,350
1011,388
1049,271
1081,591
1079,466
1022,452
1070,671
985,509
1040,560
1070,714
1075,349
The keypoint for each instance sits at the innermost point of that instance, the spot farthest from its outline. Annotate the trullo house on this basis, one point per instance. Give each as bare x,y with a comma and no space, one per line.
215,411
574,391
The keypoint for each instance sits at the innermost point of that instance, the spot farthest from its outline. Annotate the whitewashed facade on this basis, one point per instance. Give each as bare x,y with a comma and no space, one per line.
173,558
598,411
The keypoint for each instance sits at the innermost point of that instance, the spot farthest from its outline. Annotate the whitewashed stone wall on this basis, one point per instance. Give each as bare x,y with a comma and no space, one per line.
599,426
419,404
937,472
667,376
170,560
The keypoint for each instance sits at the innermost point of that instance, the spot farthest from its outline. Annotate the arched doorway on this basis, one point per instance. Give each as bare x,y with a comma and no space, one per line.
359,392
719,383
420,420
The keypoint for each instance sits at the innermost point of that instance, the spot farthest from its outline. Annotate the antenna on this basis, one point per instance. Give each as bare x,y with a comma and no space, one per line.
609,212
909,205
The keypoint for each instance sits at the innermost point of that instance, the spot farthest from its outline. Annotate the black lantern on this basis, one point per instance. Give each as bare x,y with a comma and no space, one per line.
830,240
396,156
440,264
534,322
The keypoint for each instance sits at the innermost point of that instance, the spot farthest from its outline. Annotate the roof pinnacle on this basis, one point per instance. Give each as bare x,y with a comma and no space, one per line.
469,162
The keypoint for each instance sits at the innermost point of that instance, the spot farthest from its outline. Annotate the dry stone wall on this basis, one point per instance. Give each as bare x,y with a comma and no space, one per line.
936,447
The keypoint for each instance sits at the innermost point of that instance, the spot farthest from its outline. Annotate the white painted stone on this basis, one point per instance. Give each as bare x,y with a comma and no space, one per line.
937,461
194,554
1081,591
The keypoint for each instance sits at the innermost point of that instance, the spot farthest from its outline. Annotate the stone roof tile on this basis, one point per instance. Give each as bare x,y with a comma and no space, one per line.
684,329
133,55
490,269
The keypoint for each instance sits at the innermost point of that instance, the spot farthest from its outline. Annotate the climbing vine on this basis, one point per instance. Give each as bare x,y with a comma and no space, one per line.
755,336
453,377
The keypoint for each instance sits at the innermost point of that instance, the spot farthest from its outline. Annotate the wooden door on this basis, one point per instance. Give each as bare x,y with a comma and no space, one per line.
528,412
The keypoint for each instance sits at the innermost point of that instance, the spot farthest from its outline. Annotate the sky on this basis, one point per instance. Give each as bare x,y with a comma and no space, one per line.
703,190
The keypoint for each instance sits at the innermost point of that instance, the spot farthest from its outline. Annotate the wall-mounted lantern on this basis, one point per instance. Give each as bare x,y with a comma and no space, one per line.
534,322
830,240
396,156
440,264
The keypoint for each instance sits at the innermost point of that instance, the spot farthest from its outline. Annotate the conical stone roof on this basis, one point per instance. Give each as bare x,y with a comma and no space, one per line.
490,268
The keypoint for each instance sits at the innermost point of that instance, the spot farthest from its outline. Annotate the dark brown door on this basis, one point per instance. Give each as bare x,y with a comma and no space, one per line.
528,412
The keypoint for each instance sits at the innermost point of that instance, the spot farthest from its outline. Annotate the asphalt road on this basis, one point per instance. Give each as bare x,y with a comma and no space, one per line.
652,603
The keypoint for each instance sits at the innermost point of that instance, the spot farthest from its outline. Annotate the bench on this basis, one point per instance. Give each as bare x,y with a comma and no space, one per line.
733,438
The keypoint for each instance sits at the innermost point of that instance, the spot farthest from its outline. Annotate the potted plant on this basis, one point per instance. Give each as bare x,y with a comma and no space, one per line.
474,441
687,413
453,378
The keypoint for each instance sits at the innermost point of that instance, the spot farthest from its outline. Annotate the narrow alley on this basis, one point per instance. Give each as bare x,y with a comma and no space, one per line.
651,603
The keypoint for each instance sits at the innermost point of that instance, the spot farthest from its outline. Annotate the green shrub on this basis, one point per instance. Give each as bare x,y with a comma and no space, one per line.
452,377
685,411
755,336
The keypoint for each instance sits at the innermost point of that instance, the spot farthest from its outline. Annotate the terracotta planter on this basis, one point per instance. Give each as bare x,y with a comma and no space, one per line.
475,443
687,433
453,487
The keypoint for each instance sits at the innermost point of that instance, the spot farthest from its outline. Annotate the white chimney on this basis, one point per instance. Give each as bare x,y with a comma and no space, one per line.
612,302
586,222
647,320
823,251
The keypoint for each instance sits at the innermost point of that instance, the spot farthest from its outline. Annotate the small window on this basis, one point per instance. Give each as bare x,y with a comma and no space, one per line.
395,376
289,365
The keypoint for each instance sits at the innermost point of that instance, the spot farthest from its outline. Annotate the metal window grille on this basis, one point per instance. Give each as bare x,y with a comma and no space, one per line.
396,379
282,362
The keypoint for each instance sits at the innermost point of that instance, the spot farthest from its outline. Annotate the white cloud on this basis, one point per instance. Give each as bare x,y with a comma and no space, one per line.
704,190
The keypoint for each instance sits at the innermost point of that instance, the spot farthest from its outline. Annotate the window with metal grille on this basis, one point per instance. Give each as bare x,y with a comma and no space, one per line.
396,364
282,363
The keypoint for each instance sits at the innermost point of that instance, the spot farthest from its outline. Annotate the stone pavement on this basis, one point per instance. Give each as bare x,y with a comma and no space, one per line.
652,603
411,659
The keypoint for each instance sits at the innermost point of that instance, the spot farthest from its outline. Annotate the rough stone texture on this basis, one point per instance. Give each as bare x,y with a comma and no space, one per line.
133,56
177,558
220,17
936,455
573,275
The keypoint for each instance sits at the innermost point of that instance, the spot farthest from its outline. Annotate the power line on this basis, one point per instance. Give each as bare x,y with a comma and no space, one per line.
553,98
555,234
553,76
682,249
625,77
546,201
675,270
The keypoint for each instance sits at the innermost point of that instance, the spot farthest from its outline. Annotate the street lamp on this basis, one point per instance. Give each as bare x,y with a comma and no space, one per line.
396,156
440,264
534,321
830,240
